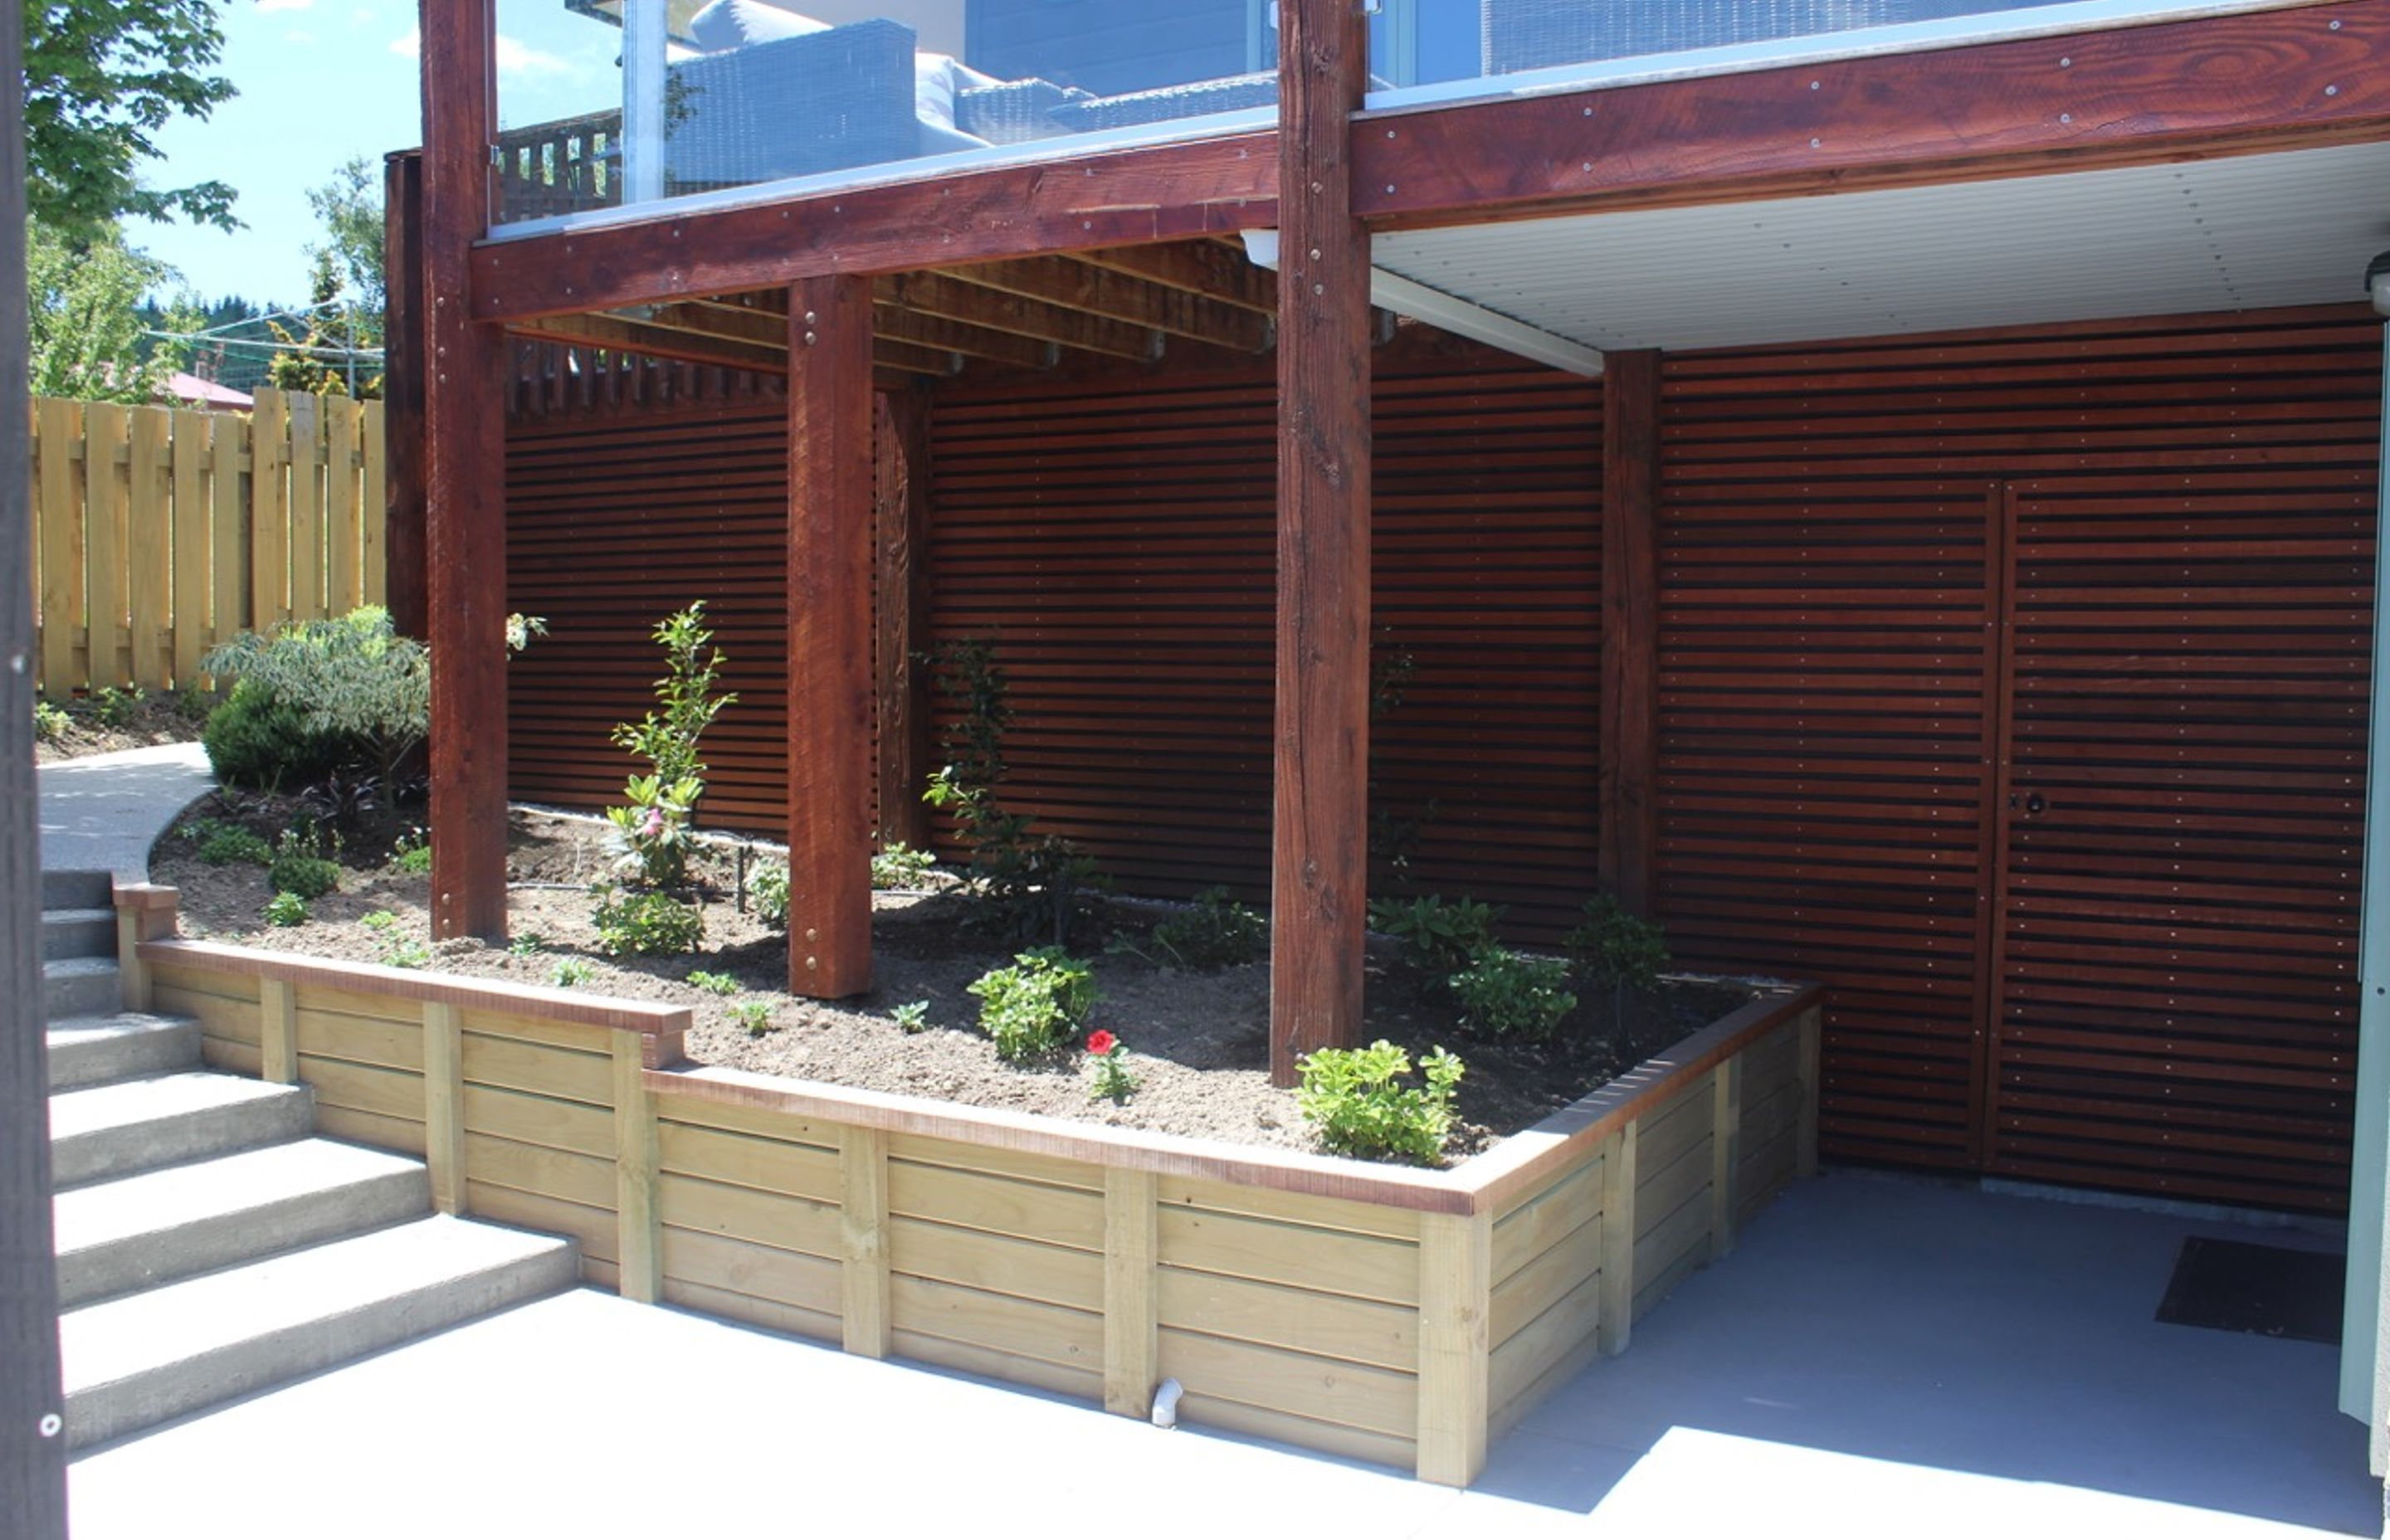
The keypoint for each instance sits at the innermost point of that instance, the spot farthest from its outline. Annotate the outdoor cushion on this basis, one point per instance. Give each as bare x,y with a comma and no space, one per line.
727,24
937,79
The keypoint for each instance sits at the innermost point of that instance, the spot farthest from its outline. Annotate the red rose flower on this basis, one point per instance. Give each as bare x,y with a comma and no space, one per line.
1100,1041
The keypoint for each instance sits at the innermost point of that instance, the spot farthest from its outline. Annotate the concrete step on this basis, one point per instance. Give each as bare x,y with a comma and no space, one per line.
137,1126
139,1232
78,933
137,1362
94,1050
77,890
80,986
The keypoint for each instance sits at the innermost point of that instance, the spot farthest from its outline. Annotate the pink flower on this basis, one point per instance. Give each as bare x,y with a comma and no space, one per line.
655,823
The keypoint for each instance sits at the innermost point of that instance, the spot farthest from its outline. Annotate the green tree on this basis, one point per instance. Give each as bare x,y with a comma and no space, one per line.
347,291
83,306
101,78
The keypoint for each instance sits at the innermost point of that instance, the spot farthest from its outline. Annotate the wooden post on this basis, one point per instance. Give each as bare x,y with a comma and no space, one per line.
1616,1322
1455,1346
269,508
133,988
277,1032
1630,579
829,638
402,390
1726,1152
190,579
639,1228
104,429
901,584
1321,856
443,1103
33,1408
1132,1328
464,470
148,541
63,609
863,1224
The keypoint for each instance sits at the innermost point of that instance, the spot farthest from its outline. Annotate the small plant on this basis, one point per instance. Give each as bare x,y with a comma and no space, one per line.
407,953
1114,1083
648,925
286,909
769,889
1506,994
223,844
529,944
411,854
300,866
714,983
1620,948
50,721
522,630
900,866
111,707
1034,1006
912,1016
1359,1103
381,922
651,834
571,972
755,1016
1437,937
1216,931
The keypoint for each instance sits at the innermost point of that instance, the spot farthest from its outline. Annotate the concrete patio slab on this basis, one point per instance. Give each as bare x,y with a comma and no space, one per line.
104,812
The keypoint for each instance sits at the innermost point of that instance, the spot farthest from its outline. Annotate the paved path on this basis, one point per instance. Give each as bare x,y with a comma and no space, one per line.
103,812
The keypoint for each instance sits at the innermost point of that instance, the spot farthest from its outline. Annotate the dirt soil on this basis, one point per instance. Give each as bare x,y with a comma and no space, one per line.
102,723
1197,1042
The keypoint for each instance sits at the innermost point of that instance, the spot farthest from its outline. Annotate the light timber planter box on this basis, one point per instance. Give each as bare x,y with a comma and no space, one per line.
1399,1316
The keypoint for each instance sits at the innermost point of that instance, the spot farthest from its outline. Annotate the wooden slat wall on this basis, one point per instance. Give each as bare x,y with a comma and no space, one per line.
2190,575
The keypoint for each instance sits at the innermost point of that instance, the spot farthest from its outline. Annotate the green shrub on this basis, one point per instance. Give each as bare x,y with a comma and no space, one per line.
50,722
900,866
299,867
755,1016
1356,1101
222,844
648,925
714,983
1214,931
1620,949
355,687
381,922
912,1016
571,972
407,953
1506,994
651,834
769,890
257,742
528,944
111,707
1437,937
411,854
1034,1006
286,909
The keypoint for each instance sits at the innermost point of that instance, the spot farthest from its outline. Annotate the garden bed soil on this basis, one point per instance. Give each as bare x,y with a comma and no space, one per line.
132,720
1197,1042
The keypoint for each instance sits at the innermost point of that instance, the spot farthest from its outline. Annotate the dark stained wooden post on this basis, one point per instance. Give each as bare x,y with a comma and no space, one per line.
901,610
1630,625
463,482
830,636
402,390
1320,860
32,1435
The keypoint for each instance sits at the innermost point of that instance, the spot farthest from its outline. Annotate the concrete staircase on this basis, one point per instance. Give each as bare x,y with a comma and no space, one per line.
209,1246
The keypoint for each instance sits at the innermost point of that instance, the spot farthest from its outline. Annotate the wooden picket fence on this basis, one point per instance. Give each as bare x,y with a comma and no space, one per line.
160,531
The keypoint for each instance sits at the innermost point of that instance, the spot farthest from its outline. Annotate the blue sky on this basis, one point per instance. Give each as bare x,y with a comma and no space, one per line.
321,81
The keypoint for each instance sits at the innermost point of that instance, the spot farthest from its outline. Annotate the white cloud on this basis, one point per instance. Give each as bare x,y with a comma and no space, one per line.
285,5
516,57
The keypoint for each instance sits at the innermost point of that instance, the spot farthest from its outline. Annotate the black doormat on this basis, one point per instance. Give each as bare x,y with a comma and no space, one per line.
2273,1291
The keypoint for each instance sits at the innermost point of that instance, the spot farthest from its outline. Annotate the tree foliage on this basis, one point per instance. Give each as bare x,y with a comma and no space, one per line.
84,307
101,78
347,291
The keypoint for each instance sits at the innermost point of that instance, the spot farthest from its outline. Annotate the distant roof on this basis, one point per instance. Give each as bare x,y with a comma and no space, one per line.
191,391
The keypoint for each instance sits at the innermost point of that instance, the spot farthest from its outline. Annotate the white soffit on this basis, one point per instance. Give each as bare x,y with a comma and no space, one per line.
2245,233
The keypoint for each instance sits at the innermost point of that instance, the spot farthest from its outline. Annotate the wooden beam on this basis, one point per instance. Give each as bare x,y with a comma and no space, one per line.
1204,267
901,611
2257,81
1627,813
655,341
1320,830
912,359
829,638
935,294
465,451
897,325
1116,296
1159,192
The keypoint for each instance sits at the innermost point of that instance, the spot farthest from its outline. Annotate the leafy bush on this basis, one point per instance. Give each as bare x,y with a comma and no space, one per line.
258,742
570,972
648,925
713,983
1214,931
912,1016
1437,937
529,944
286,909
651,839
1034,1006
1620,949
299,866
1506,994
111,707
355,686
1356,1101
407,953
651,834
900,866
753,1015
411,854
381,922
50,721
769,890
222,844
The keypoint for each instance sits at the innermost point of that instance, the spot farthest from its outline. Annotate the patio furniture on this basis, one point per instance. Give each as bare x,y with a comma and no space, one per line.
1014,111
1231,94
791,107
1530,34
